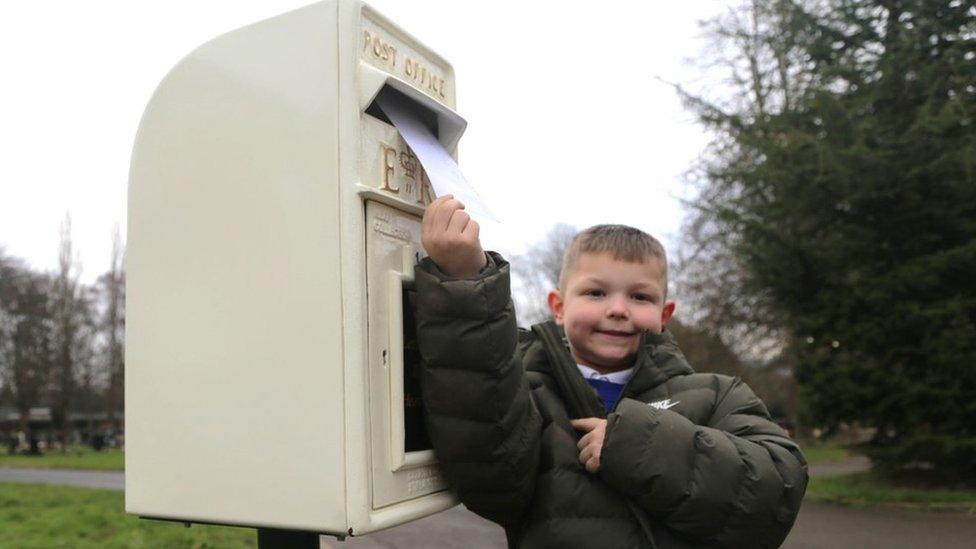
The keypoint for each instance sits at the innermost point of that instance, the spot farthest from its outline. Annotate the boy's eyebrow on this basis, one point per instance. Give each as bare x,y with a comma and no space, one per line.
592,280
648,285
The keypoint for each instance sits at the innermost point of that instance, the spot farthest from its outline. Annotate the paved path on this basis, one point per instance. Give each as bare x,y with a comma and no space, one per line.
822,526
818,526
853,464
455,528
108,480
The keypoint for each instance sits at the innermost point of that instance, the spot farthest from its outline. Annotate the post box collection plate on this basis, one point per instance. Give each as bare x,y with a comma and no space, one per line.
392,245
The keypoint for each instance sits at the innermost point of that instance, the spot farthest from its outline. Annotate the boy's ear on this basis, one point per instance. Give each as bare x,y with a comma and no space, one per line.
556,306
666,313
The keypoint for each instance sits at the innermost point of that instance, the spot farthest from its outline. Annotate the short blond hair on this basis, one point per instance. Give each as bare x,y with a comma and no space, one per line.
625,243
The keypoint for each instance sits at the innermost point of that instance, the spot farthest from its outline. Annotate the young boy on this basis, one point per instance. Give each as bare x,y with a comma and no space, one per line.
641,452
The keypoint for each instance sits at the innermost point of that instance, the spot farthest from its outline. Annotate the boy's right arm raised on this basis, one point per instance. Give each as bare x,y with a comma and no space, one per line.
482,421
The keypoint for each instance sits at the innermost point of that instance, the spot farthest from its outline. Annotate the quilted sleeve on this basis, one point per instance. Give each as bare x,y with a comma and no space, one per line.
482,421
735,481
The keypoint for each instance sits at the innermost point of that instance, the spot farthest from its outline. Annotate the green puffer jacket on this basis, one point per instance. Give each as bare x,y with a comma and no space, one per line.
689,460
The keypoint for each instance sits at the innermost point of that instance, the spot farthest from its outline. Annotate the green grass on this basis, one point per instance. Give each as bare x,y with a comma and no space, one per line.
820,453
39,516
76,457
872,488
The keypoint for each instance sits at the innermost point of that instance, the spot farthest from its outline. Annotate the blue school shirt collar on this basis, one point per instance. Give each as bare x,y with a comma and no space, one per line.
619,378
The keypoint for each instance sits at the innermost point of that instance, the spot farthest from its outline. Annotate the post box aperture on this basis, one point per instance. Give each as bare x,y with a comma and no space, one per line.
421,112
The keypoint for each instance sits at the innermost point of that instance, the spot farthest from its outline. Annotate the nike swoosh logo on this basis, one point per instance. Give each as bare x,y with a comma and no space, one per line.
664,404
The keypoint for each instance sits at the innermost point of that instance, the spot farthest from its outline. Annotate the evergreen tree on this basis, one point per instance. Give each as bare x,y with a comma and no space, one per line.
840,192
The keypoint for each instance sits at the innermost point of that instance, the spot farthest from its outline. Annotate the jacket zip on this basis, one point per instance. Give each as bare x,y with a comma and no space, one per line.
580,399
625,392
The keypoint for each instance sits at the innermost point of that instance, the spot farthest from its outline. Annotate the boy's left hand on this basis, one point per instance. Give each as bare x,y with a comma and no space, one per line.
591,444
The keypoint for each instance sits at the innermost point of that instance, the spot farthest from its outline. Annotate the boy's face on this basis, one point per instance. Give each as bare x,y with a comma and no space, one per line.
604,307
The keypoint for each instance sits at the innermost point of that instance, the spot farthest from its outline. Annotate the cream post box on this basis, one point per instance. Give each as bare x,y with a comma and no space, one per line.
273,224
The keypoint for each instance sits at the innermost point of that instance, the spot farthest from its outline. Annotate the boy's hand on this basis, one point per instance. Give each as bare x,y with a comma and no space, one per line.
450,237
592,442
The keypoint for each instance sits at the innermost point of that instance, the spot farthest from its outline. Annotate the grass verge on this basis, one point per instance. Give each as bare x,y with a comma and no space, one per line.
820,453
76,457
872,488
39,516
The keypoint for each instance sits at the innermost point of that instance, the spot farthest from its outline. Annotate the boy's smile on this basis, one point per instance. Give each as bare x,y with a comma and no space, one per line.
604,307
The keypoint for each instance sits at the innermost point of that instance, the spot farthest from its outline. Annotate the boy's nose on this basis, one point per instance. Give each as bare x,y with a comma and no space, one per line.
617,307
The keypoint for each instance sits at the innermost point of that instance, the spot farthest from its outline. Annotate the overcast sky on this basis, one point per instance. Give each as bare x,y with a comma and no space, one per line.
568,118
